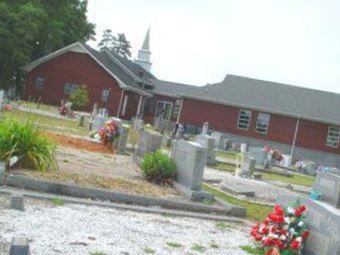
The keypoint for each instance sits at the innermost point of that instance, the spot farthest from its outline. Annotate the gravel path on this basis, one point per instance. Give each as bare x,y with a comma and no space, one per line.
75,229
264,192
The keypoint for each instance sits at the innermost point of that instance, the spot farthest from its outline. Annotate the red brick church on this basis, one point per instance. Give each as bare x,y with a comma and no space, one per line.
300,121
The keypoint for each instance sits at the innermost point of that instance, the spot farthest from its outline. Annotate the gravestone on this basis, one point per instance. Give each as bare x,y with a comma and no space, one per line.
209,143
245,168
148,142
138,124
218,137
205,128
226,144
19,246
100,119
2,172
123,138
309,168
17,202
243,148
1,100
235,146
323,222
286,161
258,154
190,159
329,186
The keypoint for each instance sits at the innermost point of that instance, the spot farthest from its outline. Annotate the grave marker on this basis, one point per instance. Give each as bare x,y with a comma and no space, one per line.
323,222
329,185
205,128
19,246
190,159
209,143
148,142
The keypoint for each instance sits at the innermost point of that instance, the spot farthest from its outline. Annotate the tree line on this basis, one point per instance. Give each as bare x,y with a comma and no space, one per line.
30,29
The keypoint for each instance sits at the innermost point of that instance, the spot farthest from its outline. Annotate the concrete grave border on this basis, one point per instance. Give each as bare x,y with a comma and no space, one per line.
59,188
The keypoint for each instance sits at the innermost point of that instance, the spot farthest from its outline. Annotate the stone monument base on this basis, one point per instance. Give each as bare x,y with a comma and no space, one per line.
196,195
237,190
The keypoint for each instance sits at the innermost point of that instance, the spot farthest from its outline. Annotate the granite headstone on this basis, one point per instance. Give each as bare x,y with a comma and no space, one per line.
190,159
329,186
148,142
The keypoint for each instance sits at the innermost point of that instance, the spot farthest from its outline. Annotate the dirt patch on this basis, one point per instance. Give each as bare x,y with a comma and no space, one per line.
129,186
77,143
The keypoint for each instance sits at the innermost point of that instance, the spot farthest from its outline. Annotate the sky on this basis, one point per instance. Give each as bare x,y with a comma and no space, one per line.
201,41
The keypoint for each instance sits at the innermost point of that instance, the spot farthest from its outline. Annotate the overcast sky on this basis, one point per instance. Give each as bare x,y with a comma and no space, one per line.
200,41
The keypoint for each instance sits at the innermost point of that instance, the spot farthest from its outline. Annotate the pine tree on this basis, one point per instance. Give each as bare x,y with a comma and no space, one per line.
108,41
122,46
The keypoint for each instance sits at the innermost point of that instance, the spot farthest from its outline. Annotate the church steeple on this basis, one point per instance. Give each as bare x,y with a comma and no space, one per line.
146,43
144,54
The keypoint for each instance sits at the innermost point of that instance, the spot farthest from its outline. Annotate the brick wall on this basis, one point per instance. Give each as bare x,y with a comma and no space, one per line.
75,68
281,129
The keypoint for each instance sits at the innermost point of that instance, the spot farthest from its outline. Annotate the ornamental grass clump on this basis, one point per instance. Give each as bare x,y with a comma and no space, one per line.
24,142
159,168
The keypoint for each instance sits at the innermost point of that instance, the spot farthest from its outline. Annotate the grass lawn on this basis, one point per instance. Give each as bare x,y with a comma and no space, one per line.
35,105
50,123
227,154
298,179
225,167
119,184
254,211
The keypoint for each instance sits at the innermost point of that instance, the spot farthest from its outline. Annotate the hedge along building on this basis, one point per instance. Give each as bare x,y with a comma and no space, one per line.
302,122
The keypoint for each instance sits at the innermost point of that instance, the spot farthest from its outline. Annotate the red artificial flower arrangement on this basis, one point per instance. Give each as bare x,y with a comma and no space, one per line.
109,132
283,231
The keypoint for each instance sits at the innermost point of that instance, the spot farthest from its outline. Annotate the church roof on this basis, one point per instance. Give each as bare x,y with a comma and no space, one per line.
234,90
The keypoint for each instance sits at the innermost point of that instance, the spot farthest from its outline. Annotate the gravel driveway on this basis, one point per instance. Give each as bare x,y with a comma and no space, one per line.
75,229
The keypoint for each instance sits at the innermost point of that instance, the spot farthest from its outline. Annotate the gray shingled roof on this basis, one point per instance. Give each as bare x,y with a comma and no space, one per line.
253,94
276,98
233,90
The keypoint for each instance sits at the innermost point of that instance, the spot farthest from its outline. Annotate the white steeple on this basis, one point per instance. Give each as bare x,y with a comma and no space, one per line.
144,54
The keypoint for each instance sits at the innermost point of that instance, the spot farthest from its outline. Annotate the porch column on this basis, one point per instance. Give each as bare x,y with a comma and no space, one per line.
139,107
120,104
294,138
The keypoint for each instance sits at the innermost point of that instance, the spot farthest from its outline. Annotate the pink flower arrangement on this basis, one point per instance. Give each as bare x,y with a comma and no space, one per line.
109,132
283,231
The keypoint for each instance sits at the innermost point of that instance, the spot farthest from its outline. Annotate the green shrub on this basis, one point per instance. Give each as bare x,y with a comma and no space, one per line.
25,141
79,97
158,166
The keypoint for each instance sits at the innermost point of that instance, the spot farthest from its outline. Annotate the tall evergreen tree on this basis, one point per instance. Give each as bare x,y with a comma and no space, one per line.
122,46
32,29
118,45
108,41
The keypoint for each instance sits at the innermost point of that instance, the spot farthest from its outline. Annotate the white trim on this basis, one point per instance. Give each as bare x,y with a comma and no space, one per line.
29,67
180,109
295,137
139,106
238,119
257,122
125,102
132,75
120,83
120,104
328,141
165,102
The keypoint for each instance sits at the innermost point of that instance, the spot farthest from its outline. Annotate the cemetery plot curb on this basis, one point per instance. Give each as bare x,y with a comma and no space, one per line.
142,209
59,188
